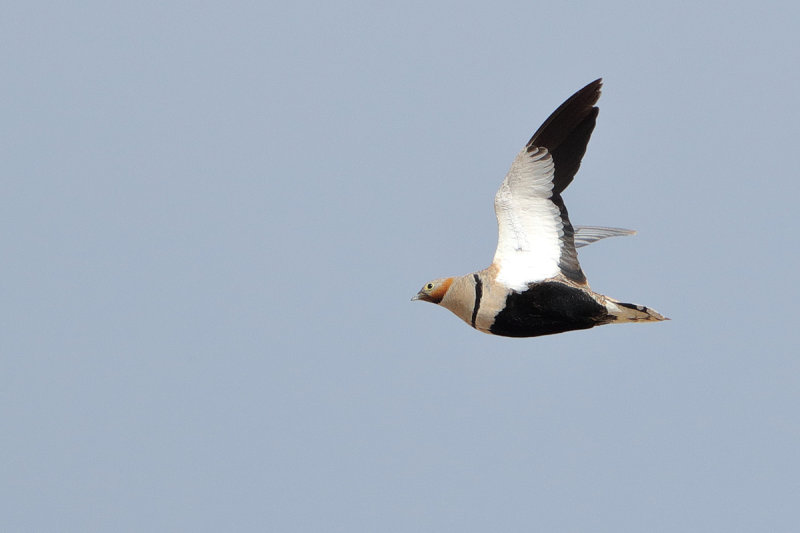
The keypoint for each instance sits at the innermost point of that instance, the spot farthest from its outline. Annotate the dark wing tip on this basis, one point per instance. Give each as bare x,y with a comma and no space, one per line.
566,133
568,115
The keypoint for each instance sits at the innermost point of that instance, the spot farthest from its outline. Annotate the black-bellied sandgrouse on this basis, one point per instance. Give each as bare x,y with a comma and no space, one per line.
535,285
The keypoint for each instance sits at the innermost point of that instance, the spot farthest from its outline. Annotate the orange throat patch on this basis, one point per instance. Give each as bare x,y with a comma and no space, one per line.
441,290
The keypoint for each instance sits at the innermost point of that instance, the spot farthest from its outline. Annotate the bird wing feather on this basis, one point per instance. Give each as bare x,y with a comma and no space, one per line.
586,235
529,222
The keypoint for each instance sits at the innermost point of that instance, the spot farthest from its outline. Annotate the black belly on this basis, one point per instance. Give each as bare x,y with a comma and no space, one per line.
547,308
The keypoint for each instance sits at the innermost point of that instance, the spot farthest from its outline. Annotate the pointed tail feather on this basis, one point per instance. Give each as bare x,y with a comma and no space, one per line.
625,312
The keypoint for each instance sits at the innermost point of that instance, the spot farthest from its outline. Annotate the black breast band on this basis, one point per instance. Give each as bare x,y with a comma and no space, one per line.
478,294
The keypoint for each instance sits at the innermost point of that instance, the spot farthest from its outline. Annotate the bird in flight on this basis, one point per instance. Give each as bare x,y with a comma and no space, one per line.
535,285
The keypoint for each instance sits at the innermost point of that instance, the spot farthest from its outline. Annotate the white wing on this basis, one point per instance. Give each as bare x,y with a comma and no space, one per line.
529,223
536,239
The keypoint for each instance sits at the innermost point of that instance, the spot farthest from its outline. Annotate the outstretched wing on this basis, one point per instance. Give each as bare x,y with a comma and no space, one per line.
535,237
586,235
529,223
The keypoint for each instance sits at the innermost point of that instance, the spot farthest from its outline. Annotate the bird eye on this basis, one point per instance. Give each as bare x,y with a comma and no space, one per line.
429,286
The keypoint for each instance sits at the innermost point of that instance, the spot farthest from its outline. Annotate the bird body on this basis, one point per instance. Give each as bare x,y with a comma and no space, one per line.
535,285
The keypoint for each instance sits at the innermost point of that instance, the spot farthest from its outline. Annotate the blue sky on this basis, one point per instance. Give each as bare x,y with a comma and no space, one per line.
214,217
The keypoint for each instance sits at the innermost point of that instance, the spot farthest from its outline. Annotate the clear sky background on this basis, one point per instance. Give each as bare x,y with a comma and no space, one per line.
214,216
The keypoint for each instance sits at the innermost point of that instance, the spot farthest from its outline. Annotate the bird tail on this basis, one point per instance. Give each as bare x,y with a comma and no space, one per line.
625,312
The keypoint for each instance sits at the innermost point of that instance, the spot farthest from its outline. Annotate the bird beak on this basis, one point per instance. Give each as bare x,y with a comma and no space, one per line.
416,297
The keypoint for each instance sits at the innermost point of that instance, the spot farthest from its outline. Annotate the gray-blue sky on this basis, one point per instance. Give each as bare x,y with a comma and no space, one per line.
214,216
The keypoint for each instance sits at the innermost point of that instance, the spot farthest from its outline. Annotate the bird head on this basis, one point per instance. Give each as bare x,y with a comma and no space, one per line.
434,290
